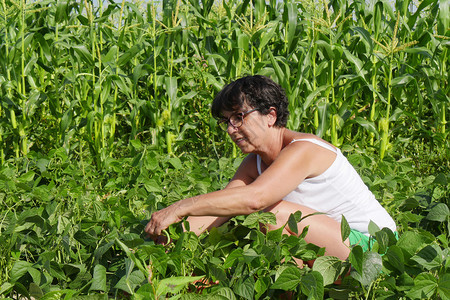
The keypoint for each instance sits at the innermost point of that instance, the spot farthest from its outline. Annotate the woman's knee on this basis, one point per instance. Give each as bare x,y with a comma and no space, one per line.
323,231
283,210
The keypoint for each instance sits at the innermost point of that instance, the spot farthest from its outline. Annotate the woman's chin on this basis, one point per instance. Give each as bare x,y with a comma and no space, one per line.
245,149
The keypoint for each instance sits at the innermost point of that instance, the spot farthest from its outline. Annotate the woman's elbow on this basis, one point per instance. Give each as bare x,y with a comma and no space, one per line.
256,204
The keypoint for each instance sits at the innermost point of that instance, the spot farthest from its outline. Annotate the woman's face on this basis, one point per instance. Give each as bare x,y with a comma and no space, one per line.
247,128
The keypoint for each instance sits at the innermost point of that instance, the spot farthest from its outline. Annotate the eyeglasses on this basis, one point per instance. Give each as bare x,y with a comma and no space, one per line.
236,120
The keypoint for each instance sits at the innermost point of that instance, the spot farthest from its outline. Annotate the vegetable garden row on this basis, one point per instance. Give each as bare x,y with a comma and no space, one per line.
104,117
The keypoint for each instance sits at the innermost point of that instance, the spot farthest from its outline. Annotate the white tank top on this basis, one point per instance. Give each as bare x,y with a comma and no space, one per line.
339,191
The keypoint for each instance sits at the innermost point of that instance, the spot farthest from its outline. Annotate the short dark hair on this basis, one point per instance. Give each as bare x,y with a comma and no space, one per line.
258,92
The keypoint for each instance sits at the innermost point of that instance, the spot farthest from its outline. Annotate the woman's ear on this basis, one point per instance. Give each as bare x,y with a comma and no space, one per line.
272,116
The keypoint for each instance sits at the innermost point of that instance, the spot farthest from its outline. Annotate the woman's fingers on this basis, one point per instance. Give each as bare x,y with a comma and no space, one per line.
160,220
154,227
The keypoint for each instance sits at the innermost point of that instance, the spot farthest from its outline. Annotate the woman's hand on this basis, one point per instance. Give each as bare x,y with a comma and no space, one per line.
162,219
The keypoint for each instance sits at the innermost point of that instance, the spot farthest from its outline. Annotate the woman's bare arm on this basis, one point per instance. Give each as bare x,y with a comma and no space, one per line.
245,174
245,195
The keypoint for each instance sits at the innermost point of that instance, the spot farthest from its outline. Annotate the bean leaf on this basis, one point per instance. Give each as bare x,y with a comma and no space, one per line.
174,284
99,279
329,267
288,279
429,257
345,228
312,285
438,213
425,286
371,268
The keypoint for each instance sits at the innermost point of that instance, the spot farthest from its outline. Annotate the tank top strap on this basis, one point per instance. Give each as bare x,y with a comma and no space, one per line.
317,142
258,164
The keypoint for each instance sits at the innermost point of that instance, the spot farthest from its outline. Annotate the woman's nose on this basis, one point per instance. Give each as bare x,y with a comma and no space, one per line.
231,128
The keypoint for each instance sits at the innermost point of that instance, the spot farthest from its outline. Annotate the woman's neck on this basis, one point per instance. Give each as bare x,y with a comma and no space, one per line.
275,142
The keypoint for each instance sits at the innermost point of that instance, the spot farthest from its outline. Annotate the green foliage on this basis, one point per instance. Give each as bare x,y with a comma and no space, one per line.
103,105
66,233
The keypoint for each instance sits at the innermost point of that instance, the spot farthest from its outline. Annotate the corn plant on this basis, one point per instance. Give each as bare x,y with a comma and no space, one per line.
93,73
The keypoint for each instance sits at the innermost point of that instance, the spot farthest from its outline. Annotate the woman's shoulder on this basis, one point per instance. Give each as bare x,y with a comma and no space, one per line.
293,137
311,151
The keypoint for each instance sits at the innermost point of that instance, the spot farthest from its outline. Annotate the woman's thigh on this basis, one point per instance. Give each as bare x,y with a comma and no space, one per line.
200,224
323,231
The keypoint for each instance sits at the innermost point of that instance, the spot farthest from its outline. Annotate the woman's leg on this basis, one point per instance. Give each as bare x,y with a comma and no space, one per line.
200,224
323,231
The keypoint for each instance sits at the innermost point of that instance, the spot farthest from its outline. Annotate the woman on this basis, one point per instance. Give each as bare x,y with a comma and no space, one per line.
284,171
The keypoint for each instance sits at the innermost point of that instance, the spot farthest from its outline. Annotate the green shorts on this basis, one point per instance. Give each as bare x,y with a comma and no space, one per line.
358,238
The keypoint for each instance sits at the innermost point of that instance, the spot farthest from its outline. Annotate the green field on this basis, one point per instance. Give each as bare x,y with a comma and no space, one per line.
104,118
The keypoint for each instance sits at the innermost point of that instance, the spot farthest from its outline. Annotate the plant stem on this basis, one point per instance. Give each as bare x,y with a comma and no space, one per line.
384,122
334,117
8,76
251,45
22,35
442,119
22,90
314,78
374,97
388,110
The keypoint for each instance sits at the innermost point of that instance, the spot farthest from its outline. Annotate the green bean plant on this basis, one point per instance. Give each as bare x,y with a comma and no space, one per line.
71,232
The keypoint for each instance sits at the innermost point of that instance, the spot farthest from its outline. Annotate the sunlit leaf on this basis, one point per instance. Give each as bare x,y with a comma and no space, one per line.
439,213
224,293
366,35
329,267
373,228
368,125
129,283
429,257
7,286
356,258
245,288
371,268
395,258
19,269
288,279
345,228
425,286
292,223
99,279
83,52
444,286
312,285
56,295
174,285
